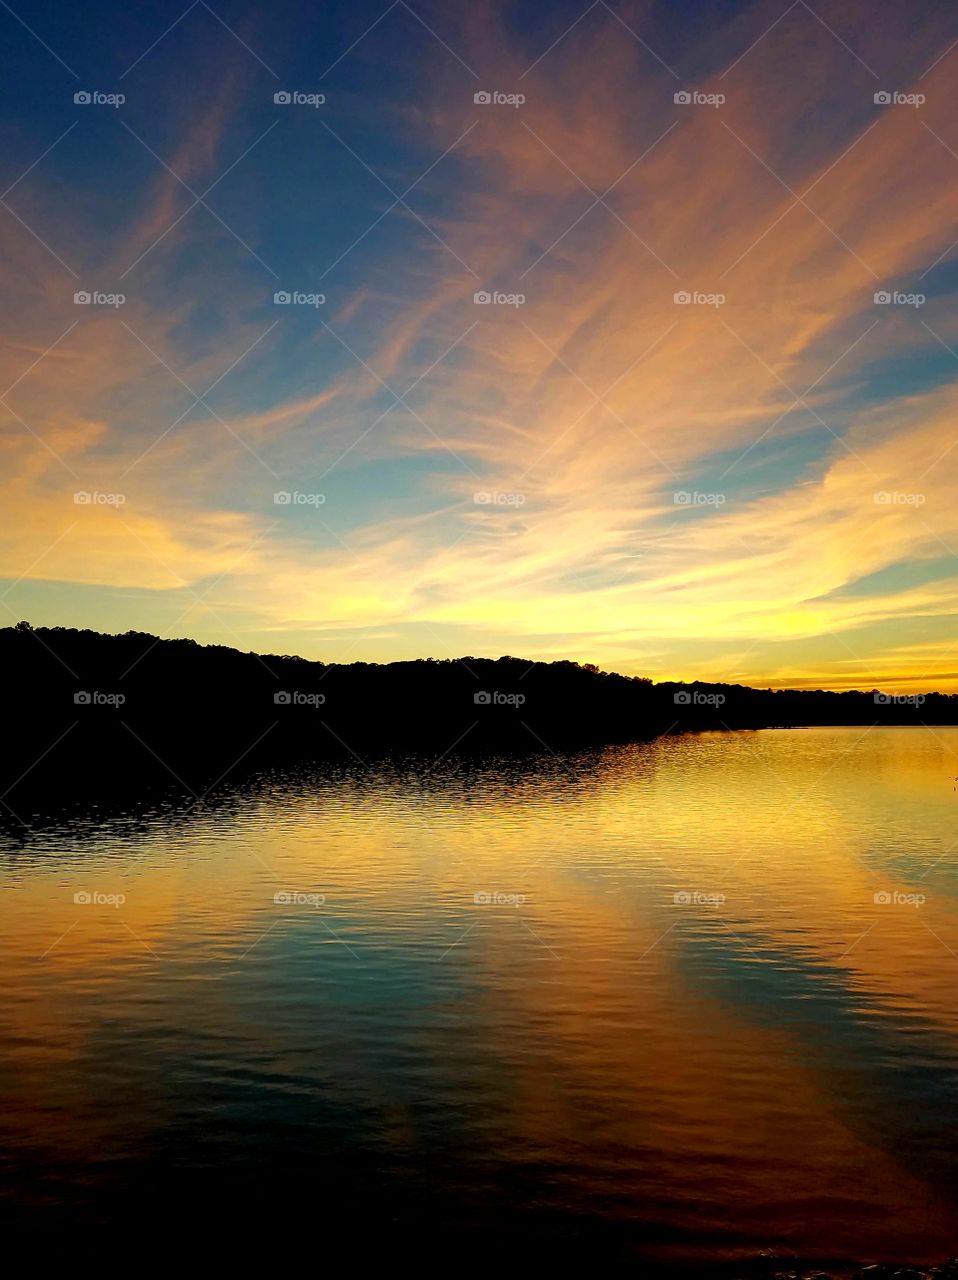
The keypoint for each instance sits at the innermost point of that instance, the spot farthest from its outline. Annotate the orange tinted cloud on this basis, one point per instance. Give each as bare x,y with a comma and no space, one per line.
664,475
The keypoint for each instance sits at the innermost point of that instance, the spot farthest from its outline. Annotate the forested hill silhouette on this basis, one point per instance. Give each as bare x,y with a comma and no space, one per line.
125,705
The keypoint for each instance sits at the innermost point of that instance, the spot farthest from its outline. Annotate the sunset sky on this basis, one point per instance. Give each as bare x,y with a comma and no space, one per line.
758,485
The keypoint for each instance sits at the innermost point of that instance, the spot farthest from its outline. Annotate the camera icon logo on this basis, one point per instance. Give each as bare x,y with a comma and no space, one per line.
282,699
82,699
283,498
283,98
683,698
82,98
82,298
482,699
882,297
82,899
682,298
482,98
482,298
883,699
882,98
682,98
82,498
882,898
282,298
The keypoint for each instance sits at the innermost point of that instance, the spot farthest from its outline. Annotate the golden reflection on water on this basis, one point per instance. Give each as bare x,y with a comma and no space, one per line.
661,984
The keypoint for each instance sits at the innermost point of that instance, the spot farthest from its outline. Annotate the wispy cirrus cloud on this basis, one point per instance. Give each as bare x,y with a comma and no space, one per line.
677,487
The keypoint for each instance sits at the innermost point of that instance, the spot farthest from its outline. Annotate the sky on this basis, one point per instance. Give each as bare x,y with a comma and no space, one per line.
622,333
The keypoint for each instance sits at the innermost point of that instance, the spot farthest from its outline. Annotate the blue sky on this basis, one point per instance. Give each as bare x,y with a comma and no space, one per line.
757,484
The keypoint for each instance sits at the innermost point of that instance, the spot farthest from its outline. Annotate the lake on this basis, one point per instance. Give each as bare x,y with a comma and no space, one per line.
680,1001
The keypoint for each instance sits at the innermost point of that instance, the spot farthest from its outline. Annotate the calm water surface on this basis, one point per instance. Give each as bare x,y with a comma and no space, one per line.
683,1001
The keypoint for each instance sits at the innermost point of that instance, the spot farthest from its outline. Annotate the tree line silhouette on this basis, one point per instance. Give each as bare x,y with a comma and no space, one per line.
134,705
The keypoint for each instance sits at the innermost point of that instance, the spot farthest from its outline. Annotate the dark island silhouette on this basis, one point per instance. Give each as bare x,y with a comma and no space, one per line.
87,707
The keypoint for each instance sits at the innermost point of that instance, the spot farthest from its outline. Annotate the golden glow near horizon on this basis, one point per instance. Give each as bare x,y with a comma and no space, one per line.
699,447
